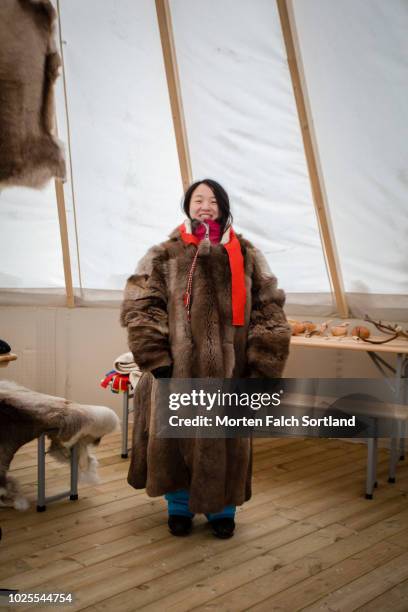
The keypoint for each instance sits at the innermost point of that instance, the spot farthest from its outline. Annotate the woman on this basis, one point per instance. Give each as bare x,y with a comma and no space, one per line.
201,304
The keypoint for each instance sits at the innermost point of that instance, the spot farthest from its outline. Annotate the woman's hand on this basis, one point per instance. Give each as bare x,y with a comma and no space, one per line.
163,372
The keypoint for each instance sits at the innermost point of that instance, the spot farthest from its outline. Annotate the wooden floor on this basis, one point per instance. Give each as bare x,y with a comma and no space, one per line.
307,540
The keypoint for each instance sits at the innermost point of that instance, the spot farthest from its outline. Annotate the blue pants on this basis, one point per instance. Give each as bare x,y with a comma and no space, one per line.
177,503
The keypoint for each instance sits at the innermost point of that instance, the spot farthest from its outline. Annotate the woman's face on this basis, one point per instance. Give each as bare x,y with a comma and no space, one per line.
203,204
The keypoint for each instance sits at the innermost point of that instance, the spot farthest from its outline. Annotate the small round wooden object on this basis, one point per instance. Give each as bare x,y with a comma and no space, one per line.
339,330
309,326
297,328
5,359
361,332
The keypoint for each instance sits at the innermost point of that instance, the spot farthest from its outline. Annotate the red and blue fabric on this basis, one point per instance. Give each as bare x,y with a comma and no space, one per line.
118,383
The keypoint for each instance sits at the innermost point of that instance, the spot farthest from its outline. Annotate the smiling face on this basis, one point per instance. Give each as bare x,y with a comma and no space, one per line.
203,204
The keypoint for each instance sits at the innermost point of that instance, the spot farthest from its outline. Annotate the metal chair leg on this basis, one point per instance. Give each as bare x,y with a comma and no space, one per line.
125,424
74,474
402,442
41,507
42,499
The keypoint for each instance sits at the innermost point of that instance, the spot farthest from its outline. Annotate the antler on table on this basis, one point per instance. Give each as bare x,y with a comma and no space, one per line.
386,328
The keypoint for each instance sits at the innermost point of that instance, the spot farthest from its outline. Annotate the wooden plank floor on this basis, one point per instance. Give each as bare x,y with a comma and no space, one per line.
307,540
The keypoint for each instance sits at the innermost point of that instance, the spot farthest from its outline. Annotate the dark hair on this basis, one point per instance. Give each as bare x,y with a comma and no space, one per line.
220,195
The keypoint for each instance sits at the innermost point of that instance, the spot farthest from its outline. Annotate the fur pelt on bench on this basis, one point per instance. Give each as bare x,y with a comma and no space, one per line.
26,414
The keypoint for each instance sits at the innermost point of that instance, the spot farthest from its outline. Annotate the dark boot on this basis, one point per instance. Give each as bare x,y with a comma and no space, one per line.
180,525
223,527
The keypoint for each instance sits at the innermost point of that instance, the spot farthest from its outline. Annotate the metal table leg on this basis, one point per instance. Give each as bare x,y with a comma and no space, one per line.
371,467
394,452
404,400
396,435
397,440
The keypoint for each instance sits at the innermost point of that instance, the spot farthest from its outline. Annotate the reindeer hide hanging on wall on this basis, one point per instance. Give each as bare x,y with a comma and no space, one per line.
30,154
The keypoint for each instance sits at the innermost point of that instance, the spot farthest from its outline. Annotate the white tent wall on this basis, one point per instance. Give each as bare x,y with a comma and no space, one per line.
30,240
126,179
125,188
354,59
66,352
244,131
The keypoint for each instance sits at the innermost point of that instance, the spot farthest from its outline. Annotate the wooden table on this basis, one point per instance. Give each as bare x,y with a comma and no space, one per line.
398,347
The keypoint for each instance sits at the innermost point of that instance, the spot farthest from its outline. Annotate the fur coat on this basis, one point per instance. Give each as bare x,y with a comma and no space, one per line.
29,63
26,414
216,471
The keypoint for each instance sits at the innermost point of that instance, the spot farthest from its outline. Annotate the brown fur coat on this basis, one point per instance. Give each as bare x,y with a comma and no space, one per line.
216,471
29,63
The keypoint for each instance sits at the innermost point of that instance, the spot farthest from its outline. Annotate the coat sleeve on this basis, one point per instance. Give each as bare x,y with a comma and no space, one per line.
269,333
144,313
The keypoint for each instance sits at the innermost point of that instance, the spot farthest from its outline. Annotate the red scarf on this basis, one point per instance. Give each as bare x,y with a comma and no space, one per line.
236,261
214,231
